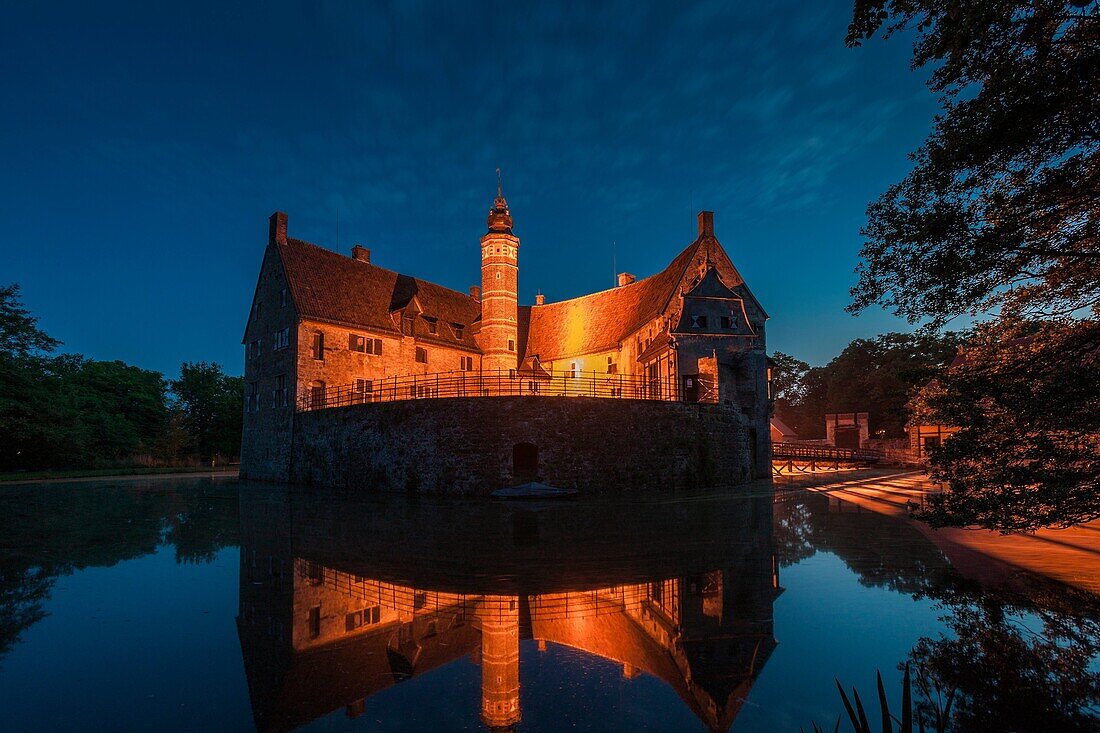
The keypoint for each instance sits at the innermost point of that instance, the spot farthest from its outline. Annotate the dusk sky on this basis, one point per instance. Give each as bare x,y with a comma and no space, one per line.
144,147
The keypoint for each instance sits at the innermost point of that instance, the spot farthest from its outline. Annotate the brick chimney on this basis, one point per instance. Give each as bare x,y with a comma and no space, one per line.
625,278
360,253
276,231
706,223
475,292
540,299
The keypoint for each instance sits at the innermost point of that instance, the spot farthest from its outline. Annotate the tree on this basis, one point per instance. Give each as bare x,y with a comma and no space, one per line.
998,216
1000,207
25,384
1027,400
873,375
212,406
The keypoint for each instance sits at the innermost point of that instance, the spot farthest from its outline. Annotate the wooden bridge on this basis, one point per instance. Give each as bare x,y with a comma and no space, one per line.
795,458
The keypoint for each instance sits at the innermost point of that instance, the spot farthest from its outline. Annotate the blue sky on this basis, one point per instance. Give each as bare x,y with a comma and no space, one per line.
144,146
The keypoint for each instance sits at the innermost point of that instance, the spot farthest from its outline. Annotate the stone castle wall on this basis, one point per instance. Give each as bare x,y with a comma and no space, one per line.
465,446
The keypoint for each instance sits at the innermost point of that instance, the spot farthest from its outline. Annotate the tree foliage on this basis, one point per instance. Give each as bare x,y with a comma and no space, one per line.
70,412
212,405
870,375
1000,207
1026,398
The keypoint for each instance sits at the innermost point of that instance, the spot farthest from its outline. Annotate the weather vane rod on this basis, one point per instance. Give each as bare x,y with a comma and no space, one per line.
500,190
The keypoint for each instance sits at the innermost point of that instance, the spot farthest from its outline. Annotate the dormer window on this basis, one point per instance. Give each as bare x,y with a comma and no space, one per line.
698,321
406,326
433,325
458,330
727,322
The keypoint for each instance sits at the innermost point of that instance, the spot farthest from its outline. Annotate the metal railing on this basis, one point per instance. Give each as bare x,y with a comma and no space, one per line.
822,452
500,383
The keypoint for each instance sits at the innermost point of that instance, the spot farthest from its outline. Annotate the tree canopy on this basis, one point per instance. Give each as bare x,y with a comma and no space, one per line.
66,411
999,210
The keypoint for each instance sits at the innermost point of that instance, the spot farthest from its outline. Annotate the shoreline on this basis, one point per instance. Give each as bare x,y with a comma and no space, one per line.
171,473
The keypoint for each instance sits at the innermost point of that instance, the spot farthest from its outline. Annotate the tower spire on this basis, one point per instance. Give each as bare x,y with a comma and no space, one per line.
500,219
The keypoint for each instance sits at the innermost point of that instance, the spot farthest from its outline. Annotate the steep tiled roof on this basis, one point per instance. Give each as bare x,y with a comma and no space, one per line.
600,321
326,286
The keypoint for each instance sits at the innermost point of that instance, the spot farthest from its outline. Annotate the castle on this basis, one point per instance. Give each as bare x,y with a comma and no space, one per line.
326,330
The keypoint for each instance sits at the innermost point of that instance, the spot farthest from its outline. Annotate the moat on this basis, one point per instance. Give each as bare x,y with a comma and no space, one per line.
213,604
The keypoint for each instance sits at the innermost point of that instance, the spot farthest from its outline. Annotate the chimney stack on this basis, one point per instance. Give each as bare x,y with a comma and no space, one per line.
360,253
475,292
625,278
540,299
706,223
276,231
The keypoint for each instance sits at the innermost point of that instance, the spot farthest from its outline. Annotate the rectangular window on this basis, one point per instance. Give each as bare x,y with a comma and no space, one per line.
314,622
377,350
572,370
254,349
319,345
511,345
433,325
252,403
612,367
357,343
406,326
282,338
466,363
421,355
278,395
282,298
363,390
259,309
698,321
727,322
458,330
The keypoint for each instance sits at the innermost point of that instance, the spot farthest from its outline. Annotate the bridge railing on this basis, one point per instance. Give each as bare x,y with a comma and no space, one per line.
825,452
497,383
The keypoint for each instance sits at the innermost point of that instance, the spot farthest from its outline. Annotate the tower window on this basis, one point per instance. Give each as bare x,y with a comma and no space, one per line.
511,345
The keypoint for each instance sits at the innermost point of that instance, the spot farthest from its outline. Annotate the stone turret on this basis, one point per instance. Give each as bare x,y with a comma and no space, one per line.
499,288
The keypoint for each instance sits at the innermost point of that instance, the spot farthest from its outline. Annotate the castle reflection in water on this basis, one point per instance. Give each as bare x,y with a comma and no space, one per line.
340,600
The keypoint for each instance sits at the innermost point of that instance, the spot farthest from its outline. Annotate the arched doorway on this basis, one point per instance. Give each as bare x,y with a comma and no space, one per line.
525,461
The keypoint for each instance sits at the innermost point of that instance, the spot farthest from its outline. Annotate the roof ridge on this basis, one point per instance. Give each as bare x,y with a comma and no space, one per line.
619,288
334,253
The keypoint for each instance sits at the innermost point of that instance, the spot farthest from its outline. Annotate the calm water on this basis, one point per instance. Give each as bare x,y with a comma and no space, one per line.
198,604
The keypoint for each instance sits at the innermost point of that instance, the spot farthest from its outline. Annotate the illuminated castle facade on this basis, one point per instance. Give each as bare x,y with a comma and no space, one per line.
329,330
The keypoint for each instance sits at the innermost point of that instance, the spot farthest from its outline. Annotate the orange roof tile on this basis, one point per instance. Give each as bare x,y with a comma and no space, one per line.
326,286
600,321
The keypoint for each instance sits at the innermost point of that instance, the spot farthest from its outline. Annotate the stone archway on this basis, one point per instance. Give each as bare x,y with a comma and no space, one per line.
525,461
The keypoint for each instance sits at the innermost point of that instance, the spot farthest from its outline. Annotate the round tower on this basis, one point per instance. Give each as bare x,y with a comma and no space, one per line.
499,288
499,616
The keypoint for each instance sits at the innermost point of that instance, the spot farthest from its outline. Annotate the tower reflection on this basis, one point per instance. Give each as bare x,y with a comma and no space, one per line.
340,600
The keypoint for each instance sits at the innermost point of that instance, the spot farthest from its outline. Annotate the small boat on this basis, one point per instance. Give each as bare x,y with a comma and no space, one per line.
532,490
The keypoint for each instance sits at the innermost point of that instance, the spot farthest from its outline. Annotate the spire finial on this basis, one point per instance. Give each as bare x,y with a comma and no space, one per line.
500,220
500,188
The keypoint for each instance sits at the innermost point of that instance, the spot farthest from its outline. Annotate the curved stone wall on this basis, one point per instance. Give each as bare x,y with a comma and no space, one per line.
472,446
